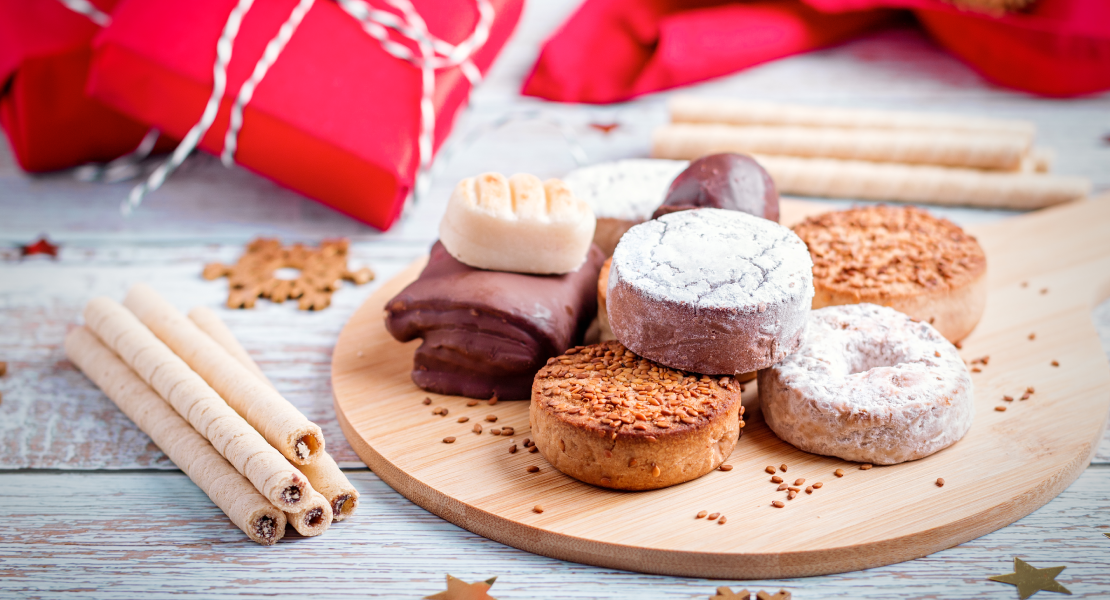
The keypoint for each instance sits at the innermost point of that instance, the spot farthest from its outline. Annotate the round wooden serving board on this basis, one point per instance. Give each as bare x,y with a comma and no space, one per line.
1008,465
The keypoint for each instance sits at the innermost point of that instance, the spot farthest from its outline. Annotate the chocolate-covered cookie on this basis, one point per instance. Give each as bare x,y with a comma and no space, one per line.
488,332
729,181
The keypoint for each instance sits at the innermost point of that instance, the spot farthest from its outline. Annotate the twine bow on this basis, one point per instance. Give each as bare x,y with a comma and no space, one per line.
434,54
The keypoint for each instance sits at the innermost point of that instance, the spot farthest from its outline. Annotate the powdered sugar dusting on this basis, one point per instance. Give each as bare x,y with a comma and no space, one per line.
629,190
713,258
869,384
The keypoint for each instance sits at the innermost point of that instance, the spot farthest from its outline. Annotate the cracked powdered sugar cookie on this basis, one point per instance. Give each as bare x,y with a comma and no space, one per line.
605,416
869,385
710,291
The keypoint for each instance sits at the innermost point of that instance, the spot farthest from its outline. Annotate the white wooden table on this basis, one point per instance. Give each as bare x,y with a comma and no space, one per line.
92,509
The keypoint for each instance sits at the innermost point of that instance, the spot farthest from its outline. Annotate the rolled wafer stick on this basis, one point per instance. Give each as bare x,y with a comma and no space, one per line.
944,148
283,426
691,109
270,473
908,183
314,519
324,474
233,493
209,322
329,480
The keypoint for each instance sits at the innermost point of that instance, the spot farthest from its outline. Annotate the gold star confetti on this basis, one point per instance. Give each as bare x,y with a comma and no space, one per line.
457,589
1030,580
724,593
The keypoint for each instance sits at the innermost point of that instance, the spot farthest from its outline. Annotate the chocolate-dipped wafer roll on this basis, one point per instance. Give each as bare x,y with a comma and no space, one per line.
945,148
314,519
283,426
324,474
209,322
200,405
233,493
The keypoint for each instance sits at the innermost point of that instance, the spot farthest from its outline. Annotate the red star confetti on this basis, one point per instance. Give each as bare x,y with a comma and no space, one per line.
457,589
605,128
43,246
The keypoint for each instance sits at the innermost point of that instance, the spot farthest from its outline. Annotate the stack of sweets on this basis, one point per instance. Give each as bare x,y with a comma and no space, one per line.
192,388
874,155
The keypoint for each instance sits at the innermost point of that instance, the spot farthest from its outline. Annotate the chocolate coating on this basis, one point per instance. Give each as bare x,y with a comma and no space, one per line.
729,181
489,332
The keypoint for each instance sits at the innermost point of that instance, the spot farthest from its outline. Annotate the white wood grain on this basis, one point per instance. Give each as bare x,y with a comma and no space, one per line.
155,535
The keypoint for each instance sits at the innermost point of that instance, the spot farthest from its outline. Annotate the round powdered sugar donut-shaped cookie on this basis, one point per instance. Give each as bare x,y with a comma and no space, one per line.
710,291
870,384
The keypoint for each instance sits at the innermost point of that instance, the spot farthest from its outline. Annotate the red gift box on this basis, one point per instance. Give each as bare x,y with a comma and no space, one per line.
336,117
44,64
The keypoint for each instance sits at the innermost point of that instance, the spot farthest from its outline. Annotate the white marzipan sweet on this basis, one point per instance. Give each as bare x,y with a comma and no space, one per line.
629,189
869,385
517,224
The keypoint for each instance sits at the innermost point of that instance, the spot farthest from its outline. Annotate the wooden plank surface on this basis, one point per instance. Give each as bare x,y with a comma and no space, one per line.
157,536
52,420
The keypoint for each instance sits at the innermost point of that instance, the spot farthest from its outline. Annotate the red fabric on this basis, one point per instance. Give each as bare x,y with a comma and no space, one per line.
613,50
336,118
1056,48
44,63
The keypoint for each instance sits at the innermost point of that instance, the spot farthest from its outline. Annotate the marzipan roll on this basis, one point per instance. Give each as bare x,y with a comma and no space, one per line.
692,109
233,493
942,148
314,519
907,183
324,474
283,426
200,405
209,322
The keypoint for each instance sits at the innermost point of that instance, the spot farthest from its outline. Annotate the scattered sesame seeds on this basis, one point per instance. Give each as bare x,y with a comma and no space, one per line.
533,469
508,431
472,403
701,514
791,495
495,431
778,504
782,487
782,467
794,489
940,482
776,479
1056,363
537,509
463,419
865,466
449,439
1007,398
512,449
1000,408
722,520
725,467
817,485
477,428
527,442
427,401
839,472
809,489
713,516
771,470
799,481
491,418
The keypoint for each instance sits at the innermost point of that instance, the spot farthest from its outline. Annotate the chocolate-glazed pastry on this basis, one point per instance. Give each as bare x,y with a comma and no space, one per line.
489,332
729,181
